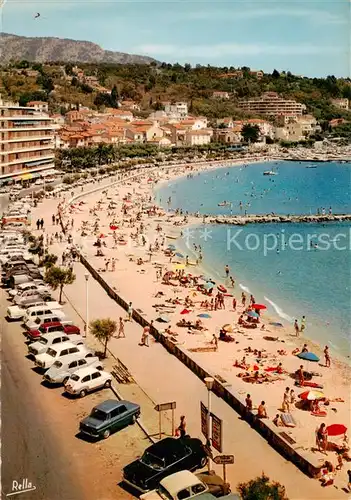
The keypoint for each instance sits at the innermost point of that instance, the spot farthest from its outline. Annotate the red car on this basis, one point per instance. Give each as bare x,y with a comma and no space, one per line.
52,327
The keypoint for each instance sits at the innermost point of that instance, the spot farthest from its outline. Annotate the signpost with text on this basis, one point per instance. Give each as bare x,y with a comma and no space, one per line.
164,407
224,460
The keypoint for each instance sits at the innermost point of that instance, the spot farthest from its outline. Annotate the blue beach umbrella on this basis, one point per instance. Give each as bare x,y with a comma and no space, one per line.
204,315
252,314
178,254
308,356
208,285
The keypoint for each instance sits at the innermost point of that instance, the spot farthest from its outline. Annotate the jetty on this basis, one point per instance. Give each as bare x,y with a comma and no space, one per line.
242,220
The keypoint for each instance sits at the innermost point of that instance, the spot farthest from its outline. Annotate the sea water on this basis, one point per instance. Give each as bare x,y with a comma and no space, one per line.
296,269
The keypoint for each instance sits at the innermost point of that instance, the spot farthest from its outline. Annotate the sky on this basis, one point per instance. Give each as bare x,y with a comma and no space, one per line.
310,37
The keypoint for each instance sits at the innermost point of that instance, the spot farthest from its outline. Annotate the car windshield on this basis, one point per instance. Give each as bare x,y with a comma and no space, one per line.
51,352
152,461
43,340
98,414
75,378
164,493
57,364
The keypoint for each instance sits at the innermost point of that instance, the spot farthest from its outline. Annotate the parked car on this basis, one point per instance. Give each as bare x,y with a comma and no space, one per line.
109,416
163,458
87,380
40,287
31,294
182,484
48,358
62,369
50,327
50,340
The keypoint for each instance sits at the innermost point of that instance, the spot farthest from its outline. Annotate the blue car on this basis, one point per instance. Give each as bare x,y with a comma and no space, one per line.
108,417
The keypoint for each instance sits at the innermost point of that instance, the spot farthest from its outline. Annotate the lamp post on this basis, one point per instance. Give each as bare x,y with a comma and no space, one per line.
86,276
209,384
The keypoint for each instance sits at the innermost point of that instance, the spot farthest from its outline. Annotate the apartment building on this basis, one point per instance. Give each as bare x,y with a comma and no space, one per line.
271,104
341,103
26,142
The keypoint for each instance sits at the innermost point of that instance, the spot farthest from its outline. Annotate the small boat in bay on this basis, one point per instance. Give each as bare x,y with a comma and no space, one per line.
270,172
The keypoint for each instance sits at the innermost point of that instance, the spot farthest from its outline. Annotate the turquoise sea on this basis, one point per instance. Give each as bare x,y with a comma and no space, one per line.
295,269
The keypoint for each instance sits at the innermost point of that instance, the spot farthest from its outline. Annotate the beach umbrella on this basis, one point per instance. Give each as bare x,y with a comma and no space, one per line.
178,254
185,311
227,328
336,429
252,314
113,227
204,315
311,395
171,247
308,356
259,306
163,319
179,266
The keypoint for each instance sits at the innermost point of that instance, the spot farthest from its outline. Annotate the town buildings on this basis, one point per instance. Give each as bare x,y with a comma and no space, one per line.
26,142
341,103
270,104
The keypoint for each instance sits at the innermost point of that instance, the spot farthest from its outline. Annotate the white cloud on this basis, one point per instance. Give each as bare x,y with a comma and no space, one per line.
316,16
224,49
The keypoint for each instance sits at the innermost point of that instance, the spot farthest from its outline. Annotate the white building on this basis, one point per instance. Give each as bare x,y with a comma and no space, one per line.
26,142
178,109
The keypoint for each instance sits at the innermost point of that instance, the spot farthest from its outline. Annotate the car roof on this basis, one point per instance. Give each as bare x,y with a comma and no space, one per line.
76,356
165,446
180,480
50,323
111,404
65,345
55,334
82,372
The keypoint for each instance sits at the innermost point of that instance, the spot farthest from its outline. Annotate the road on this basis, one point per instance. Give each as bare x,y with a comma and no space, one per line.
38,433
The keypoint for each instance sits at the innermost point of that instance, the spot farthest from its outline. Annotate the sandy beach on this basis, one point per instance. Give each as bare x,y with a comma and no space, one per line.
134,237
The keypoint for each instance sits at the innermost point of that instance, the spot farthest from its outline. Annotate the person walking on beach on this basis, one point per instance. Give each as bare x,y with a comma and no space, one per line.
113,268
286,400
243,299
303,324
121,328
130,311
145,336
292,397
214,341
41,223
327,356
296,327
53,218
226,270
301,376
38,224
232,281
234,304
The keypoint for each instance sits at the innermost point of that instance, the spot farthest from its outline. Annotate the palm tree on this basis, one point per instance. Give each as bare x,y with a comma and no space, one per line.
103,330
57,277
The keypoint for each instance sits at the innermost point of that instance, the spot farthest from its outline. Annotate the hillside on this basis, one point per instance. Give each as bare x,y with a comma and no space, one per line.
46,49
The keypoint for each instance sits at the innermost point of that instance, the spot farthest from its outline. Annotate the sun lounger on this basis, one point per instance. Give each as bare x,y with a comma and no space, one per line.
288,420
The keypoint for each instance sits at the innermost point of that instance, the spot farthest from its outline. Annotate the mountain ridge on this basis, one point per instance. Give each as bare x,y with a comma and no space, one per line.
53,49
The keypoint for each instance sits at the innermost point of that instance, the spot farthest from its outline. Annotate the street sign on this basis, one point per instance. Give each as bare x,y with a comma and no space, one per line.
204,413
166,406
216,433
223,459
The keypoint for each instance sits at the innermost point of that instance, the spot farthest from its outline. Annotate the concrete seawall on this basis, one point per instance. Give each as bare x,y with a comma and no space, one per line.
242,220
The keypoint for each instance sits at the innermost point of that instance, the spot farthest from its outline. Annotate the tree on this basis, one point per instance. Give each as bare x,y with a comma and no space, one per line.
275,74
250,133
114,97
103,330
261,489
57,277
48,260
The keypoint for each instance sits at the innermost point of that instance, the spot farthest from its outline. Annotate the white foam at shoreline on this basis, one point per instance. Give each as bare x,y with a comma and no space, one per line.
278,310
245,288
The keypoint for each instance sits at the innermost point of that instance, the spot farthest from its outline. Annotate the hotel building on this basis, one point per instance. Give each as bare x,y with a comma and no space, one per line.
26,142
271,104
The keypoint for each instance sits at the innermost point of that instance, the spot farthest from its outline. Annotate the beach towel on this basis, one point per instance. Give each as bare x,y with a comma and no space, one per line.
313,384
319,413
288,420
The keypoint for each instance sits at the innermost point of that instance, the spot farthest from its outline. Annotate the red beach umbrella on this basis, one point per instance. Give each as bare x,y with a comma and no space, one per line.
311,395
113,228
259,306
185,311
336,429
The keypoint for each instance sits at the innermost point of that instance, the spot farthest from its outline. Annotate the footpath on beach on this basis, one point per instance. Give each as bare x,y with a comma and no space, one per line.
176,382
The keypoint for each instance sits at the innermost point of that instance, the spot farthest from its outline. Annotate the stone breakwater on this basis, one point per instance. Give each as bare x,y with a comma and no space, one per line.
242,220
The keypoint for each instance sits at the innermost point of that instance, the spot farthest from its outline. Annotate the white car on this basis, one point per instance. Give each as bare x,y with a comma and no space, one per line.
17,312
86,380
50,340
39,287
62,369
183,484
57,352
29,294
